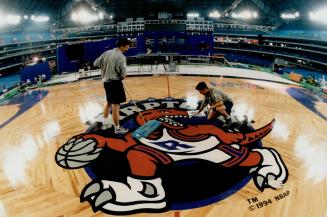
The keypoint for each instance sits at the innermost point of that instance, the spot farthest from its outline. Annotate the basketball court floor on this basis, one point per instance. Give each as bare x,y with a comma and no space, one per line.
42,174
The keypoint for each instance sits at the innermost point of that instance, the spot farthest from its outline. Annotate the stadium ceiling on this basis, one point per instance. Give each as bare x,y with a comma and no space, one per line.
268,10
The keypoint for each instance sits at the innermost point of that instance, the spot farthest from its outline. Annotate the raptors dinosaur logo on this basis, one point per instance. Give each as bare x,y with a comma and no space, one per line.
187,162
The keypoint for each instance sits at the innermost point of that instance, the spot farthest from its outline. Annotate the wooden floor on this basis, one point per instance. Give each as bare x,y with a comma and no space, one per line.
32,184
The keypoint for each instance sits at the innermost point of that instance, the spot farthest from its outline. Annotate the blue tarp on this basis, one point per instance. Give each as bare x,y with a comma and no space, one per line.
32,72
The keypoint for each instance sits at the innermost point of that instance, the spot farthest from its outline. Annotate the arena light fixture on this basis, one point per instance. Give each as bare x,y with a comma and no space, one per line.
101,15
39,19
12,19
319,15
193,15
73,16
290,16
215,14
246,14
83,16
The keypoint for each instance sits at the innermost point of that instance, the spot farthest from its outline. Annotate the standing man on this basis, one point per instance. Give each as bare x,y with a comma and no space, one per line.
113,71
219,102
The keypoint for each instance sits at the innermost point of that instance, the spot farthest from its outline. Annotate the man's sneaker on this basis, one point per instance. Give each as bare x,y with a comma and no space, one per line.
121,130
105,126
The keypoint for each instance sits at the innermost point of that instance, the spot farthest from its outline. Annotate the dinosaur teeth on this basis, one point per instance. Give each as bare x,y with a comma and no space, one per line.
169,119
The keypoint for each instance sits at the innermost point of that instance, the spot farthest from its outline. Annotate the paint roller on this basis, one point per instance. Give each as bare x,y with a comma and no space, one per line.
148,127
